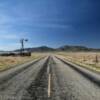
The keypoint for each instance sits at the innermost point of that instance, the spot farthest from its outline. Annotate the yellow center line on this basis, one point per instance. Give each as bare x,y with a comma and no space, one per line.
49,85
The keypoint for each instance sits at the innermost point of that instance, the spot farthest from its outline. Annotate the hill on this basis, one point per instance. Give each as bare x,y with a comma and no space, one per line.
74,48
62,48
38,49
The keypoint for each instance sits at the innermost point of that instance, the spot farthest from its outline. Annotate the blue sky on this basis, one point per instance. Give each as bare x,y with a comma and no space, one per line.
49,22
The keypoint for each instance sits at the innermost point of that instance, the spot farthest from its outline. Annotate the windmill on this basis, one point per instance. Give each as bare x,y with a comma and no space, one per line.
22,41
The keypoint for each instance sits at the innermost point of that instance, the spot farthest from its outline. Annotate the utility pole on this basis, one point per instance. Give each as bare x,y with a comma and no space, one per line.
22,45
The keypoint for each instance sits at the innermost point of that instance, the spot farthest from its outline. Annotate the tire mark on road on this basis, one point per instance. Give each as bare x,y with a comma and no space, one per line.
38,88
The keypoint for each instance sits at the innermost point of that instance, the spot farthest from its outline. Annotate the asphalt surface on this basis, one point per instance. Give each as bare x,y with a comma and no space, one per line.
48,78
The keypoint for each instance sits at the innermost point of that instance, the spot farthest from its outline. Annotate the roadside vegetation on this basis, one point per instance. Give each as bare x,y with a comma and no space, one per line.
7,62
90,60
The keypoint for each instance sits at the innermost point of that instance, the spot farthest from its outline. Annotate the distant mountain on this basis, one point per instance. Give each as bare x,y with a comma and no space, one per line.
62,48
73,48
2,51
39,49
76,48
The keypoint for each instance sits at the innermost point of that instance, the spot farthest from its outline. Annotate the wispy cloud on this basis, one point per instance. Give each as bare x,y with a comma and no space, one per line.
11,46
42,20
9,36
53,25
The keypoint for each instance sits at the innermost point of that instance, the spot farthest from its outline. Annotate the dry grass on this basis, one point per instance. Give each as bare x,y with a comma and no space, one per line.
90,60
8,62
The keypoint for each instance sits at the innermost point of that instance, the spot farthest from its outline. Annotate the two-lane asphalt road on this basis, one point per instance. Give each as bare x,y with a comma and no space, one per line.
46,79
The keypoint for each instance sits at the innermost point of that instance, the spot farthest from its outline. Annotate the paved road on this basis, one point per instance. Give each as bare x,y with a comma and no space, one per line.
14,82
70,85
46,79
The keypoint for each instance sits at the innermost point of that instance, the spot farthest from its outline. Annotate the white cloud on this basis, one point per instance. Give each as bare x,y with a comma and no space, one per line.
11,46
9,36
55,25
